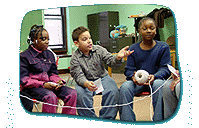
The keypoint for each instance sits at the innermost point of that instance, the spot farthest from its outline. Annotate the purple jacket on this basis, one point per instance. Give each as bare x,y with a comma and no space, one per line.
37,67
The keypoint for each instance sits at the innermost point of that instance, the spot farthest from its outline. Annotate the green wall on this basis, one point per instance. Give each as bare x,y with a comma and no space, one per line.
31,18
77,16
168,30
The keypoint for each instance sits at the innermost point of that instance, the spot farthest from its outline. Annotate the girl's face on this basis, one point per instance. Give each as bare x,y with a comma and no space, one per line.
84,43
147,30
42,41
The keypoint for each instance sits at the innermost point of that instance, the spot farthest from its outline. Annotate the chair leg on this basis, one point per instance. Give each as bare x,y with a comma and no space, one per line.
60,103
36,107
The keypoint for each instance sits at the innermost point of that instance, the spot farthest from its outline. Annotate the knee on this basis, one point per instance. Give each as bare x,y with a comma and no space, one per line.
80,92
50,97
157,83
126,92
73,93
112,89
157,87
167,85
177,88
166,88
126,86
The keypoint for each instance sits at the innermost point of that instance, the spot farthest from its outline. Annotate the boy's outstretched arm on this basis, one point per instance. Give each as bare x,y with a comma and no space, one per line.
124,52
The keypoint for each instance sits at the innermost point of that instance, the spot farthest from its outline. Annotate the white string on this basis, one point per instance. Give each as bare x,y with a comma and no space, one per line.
151,100
116,105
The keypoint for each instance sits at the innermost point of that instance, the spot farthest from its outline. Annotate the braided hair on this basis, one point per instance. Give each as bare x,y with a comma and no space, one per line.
34,31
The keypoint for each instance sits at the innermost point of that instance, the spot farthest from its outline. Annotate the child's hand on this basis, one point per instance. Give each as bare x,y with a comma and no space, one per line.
174,83
174,76
50,86
135,81
176,80
90,85
60,84
151,79
124,53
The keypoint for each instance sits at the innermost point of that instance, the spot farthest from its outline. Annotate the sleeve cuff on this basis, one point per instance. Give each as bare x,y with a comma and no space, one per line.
54,78
118,61
81,82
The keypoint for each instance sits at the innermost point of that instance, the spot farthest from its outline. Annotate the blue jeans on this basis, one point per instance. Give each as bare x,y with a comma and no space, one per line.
110,96
170,99
127,92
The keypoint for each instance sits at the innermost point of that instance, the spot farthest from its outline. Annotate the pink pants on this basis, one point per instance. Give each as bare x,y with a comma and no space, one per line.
68,95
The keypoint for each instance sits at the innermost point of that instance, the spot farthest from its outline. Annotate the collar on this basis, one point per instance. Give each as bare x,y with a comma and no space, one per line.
81,54
36,49
35,52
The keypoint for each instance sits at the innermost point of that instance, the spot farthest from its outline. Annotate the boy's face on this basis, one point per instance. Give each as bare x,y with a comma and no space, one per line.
84,43
147,30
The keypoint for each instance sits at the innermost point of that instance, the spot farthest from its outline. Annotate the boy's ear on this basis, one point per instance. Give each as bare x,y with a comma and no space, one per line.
76,43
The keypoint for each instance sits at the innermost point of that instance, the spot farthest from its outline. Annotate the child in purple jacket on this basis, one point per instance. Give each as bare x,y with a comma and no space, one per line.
38,70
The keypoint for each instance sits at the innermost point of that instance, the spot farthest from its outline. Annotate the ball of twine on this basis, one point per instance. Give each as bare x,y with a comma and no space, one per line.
141,76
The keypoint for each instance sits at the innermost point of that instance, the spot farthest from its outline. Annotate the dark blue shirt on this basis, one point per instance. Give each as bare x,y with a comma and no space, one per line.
154,61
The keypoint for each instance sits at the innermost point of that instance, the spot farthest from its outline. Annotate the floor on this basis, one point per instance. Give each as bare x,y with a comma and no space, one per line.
142,108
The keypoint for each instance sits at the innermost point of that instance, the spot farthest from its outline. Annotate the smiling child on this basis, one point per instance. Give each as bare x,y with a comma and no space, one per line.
149,55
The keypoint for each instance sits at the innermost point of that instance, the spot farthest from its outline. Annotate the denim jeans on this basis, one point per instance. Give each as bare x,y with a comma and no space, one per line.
127,92
170,99
110,96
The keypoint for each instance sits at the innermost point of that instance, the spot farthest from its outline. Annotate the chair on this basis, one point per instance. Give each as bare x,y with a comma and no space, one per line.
142,94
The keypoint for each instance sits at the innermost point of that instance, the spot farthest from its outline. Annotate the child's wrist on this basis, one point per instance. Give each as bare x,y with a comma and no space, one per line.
86,84
118,58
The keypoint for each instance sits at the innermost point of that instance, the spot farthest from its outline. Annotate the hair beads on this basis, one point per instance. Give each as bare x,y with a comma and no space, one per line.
34,31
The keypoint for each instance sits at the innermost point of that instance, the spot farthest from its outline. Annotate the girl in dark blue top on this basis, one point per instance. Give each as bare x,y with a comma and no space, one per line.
151,56
154,60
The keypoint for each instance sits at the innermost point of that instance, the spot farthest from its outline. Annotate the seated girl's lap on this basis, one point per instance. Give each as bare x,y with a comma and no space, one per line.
135,89
39,93
130,85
